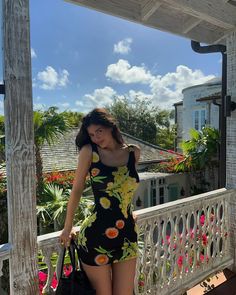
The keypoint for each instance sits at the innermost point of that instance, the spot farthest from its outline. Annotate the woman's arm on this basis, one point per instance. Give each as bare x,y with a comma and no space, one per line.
136,153
85,157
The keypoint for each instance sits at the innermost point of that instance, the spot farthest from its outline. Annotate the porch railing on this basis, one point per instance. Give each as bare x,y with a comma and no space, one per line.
180,244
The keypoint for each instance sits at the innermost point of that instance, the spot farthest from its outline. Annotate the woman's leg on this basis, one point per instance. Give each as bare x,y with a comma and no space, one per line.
123,274
100,278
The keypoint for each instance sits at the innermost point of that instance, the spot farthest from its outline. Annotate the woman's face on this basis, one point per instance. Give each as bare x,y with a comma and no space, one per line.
100,135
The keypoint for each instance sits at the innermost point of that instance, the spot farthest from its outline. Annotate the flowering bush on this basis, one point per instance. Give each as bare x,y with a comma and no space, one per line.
170,165
62,179
43,278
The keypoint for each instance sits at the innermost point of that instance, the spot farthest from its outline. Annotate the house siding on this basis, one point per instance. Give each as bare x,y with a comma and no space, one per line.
190,95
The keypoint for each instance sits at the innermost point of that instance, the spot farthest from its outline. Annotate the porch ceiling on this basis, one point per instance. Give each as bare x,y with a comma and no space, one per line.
207,21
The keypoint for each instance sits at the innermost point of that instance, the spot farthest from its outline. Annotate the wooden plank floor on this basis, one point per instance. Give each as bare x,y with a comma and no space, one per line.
226,288
222,283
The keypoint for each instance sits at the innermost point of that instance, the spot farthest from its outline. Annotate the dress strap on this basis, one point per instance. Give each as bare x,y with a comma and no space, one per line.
131,161
94,147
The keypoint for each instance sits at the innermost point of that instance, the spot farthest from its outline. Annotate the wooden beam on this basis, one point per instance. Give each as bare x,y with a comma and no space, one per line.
170,21
149,7
214,12
125,9
222,39
19,135
190,24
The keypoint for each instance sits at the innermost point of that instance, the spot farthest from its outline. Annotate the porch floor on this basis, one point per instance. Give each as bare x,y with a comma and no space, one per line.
222,283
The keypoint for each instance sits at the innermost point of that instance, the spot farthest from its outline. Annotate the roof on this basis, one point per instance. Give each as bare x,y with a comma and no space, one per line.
62,156
152,175
179,103
207,21
212,82
210,97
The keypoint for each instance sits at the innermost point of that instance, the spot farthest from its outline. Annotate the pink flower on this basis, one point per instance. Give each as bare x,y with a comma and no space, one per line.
54,282
202,219
180,261
42,276
191,233
67,270
204,239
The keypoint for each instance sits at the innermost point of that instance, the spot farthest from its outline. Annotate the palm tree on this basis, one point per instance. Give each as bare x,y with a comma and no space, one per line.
200,156
48,126
51,208
201,150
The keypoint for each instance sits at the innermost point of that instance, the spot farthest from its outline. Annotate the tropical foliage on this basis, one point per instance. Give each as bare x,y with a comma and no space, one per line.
200,158
49,125
51,206
199,152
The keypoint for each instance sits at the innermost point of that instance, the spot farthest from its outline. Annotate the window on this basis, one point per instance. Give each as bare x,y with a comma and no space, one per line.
153,193
199,119
161,194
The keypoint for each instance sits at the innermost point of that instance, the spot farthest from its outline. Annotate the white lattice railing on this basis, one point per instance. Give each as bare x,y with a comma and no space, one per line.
181,243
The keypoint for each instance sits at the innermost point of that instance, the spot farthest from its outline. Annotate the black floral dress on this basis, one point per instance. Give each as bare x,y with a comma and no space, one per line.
109,234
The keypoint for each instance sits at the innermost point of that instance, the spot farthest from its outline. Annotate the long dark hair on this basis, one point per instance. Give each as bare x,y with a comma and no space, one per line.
97,116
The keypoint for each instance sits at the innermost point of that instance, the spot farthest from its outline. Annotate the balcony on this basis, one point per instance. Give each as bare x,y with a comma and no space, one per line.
181,243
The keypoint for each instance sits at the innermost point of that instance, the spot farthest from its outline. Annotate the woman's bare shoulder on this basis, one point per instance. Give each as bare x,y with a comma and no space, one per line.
86,151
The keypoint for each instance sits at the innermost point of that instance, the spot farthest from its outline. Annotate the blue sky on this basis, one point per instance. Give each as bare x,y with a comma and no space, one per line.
82,59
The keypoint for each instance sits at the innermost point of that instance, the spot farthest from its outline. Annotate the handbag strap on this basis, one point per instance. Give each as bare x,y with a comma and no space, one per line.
71,251
76,247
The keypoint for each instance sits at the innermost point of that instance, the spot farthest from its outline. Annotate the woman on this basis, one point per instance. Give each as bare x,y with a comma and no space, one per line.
108,237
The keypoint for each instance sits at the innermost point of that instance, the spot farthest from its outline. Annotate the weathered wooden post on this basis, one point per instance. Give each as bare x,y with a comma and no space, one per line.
231,139
20,161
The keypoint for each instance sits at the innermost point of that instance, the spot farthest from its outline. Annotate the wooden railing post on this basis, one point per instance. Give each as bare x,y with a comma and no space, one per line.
20,161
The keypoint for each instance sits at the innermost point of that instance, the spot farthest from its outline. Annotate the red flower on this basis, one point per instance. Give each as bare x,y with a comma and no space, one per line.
202,219
180,261
204,239
42,276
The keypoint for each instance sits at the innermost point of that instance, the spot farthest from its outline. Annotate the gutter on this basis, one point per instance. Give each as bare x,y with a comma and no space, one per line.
222,117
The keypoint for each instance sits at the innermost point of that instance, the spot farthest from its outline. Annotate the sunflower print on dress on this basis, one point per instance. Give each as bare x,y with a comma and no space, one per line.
122,188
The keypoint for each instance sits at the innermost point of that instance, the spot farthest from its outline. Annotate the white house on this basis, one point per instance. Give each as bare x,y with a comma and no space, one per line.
197,109
158,188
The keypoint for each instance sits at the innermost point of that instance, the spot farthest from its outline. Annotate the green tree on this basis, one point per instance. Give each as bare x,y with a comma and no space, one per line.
74,118
48,126
138,117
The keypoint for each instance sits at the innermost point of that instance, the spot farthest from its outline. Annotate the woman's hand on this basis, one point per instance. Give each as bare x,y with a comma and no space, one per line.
66,236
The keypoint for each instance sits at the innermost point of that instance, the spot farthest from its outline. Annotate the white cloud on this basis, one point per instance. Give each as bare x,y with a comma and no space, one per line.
39,107
79,103
63,104
123,46
99,98
132,94
123,72
33,53
164,89
167,89
51,79
102,96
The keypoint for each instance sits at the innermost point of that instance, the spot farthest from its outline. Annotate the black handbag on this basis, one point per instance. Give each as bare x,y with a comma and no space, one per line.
77,282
